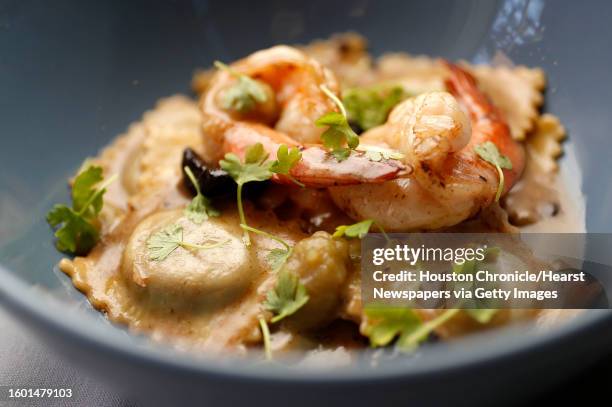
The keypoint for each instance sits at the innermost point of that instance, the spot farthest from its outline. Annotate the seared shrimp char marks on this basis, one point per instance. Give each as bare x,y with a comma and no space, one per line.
449,182
294,101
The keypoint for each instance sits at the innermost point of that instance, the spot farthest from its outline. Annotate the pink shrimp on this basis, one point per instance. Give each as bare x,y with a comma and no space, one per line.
294,101
449,182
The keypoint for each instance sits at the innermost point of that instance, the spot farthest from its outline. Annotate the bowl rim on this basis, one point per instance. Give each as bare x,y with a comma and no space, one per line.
473,351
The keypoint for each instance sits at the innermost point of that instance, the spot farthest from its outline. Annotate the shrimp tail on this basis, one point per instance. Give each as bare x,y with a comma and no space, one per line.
463,86
488,124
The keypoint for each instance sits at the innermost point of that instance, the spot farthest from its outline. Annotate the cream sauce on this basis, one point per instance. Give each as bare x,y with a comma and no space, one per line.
177,301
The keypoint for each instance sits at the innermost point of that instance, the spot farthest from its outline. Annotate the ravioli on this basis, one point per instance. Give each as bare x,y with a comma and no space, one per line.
209,291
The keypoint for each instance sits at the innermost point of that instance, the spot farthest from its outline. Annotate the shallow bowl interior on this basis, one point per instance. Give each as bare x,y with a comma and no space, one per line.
75,74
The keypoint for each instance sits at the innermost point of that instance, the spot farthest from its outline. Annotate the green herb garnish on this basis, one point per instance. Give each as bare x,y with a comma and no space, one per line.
265,333
286,158
245,94
276,257
358,230
78,233
369,107
200,207
162,243
489,152
288,296
384,324
339,131
256,167
481,315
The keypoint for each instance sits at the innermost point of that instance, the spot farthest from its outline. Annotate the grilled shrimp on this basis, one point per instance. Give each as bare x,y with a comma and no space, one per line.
294,101
449,182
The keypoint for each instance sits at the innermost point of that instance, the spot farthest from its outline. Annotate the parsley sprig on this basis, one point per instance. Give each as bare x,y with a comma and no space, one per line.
245,94
200,207
384,324
287,296
339,132
162,243
257,167
78,232
489,152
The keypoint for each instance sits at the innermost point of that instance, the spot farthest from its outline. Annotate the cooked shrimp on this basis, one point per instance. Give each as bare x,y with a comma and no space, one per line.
294,101
450,182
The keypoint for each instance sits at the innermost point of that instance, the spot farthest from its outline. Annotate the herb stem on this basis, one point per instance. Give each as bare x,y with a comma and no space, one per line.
246,238
335,99
296,182
96,194
500,187
271,236
265,333
220,65
193,180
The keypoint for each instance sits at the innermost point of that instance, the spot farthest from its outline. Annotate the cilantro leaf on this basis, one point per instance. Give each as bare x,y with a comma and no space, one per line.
409,341
383,324
286,159
288,296
161,244
78,232
200,207
489,152
359,229
481,315
254,168
369,107
83,189
277,257
245,94
243,172
339,132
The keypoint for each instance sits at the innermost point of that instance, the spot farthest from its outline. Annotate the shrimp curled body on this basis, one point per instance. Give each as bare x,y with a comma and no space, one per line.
294,102
449,182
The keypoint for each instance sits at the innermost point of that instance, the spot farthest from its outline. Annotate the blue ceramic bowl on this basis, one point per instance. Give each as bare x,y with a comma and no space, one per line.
74,74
